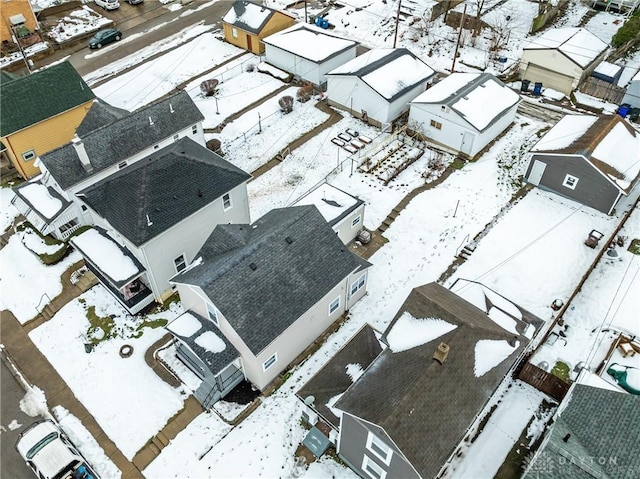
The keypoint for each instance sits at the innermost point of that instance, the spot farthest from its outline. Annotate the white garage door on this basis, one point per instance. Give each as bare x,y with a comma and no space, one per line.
548,78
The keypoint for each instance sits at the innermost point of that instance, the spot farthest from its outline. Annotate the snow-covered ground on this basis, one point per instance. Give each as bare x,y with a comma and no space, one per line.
533,253
7,212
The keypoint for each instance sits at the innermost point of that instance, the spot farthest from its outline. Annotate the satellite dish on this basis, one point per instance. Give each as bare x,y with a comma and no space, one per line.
309,400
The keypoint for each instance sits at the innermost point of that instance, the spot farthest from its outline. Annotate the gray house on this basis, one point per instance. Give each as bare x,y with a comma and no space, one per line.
596,433
594,160
271,288
632,93
107,140
403,414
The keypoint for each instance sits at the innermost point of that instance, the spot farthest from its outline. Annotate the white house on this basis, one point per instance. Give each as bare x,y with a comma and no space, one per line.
344,212
270,288
561,58
154,193
464,112
379,84
308,52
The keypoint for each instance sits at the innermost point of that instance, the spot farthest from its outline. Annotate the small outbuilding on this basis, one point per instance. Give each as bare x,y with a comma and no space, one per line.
247,23
379,84
308,52
608,72
464,112
594,160
632,95
561,58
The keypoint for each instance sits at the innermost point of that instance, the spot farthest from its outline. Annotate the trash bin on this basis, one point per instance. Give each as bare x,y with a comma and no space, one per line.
623,110
634,113
525,85
537,89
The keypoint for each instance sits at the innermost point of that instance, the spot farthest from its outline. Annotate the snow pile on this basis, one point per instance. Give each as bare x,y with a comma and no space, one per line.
34,402
489,353
83,439
409,332
211,342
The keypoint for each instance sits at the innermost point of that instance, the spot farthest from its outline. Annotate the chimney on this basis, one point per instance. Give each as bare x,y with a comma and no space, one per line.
441,353
82,153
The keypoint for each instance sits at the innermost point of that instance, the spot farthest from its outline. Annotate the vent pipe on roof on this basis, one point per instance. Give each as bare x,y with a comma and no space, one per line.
78,145
150,122
441,353
253,266
171,108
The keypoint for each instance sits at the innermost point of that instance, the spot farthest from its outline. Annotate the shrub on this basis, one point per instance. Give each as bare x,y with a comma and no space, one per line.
215,145
305,92
627,32
208,87
286,104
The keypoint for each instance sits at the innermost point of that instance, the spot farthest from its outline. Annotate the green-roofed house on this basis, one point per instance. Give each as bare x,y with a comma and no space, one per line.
39,113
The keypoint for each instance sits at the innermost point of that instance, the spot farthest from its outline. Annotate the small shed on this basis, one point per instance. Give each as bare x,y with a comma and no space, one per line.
308,52
561,58
247,23
379,84
594,160
608,72
464,112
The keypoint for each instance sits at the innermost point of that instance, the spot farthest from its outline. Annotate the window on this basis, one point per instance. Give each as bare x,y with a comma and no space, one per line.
155,147
194,129
67,226
444,109
180,263
226,201
29,155
378,447
122,165
335,304
270,362
436,124
570,182
372,469
357,284
83,207
234,32
355,221
213,315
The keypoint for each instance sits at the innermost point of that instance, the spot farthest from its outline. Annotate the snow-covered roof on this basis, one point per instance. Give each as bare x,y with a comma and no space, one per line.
388,71
248,16
111,259
409,332
565,132
42,199
620,149
310,43
479,98
608,69
578,44
332,202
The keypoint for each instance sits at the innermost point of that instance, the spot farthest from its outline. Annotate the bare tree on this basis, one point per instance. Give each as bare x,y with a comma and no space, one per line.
305,92
286,104
477,22
208,87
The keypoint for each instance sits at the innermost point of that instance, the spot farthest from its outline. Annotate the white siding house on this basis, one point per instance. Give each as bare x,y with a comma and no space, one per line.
464,112
379,84
561,58
308,52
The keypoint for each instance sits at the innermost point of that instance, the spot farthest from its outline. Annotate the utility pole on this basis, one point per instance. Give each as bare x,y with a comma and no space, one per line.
395,35
455,54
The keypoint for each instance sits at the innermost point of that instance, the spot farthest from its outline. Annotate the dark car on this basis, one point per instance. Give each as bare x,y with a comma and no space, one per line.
103,37
134,2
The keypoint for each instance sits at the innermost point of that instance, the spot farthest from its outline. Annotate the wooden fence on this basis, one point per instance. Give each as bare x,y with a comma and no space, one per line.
544,381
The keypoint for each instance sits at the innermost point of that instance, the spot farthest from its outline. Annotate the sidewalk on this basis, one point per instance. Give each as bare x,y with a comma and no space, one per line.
38,371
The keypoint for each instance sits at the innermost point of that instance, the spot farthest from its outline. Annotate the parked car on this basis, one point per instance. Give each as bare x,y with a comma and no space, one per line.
50,454
104,37
134,2
108,4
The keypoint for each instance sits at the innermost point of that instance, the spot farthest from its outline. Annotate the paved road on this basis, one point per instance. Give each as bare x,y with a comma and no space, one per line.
11,416
151,20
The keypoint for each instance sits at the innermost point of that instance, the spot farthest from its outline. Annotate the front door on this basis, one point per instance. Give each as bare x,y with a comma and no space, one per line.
537,170
467,143
249,47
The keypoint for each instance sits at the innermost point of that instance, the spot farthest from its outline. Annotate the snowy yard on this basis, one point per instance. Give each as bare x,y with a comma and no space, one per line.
129,401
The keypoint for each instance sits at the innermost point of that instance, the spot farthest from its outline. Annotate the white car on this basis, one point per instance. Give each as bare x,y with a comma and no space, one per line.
50,454
108,4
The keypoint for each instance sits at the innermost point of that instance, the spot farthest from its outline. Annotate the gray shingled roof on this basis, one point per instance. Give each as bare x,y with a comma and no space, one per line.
167,186
117,141
602,432
441,400
381,62
100,114
216,362
297,260
28,100
332,379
